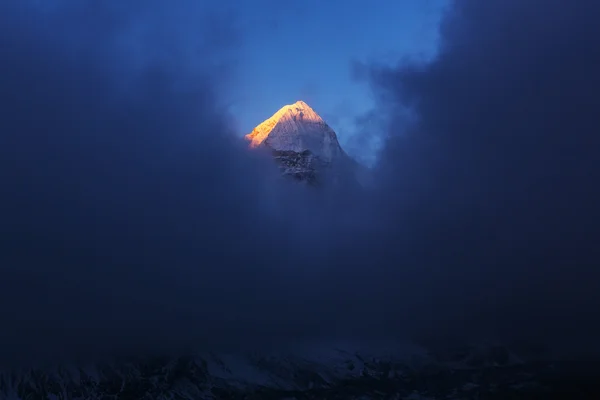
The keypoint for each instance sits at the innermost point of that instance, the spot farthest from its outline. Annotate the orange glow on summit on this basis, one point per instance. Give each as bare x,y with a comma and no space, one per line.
299,111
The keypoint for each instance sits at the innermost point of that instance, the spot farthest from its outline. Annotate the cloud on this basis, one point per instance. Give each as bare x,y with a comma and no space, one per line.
133,220
494,182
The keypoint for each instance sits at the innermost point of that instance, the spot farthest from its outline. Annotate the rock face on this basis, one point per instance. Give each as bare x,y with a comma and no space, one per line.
304,146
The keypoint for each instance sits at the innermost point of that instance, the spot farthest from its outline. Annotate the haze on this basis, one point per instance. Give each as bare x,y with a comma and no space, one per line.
133,218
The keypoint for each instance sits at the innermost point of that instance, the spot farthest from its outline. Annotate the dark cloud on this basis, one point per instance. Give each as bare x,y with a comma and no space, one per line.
131,216
495,183
133,220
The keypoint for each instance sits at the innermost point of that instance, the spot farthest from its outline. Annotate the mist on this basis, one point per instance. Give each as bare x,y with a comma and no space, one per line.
135,221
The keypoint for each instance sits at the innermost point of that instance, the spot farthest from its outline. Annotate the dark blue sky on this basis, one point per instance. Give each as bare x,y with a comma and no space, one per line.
304,50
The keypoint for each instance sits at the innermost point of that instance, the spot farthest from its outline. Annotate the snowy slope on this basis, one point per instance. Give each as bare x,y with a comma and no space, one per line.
318,370
305,147
298,367
297,127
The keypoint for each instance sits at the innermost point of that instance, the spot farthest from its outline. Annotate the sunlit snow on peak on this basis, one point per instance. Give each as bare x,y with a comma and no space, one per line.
299,112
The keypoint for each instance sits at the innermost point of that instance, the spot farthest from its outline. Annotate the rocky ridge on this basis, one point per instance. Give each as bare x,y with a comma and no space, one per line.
328,373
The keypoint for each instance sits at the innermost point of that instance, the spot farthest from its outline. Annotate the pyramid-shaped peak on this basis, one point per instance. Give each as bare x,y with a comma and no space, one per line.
289,116
296,127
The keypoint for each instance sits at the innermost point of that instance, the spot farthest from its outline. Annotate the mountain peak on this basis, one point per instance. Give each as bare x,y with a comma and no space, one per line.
296,127
299,104
301,111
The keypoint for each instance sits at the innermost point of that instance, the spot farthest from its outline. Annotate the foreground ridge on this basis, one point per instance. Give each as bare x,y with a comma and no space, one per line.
332,374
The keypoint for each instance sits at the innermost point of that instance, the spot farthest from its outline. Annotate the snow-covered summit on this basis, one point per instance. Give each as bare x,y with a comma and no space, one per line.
298,128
